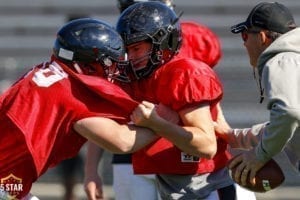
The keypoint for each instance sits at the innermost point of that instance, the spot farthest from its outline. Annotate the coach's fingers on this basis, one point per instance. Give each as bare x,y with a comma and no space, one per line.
234,162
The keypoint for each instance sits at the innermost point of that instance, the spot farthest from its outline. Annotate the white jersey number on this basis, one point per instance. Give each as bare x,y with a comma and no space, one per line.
45,77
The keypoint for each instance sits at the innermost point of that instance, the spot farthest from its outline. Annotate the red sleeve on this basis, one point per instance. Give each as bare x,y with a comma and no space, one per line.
187,82
104,89
112,101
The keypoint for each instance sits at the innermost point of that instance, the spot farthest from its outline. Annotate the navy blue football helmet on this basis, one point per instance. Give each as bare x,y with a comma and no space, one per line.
88,40
154,22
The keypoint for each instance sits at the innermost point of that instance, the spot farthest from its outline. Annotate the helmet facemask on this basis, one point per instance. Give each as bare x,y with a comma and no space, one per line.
162,51
115,69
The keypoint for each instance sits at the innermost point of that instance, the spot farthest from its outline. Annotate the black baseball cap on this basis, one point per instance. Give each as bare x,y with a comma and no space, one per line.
271,16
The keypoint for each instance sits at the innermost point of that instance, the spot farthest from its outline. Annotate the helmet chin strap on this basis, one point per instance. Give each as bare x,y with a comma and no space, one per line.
85,69
139,60
77,68
152,62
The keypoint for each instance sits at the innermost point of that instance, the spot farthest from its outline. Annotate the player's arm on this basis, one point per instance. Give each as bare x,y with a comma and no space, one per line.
113,136
198,126
195,137
92,180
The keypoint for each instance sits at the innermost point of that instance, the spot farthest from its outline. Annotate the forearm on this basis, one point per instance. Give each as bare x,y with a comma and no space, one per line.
125,139
93,157
92,179
245,138
141,137
191,140
195,137
114,137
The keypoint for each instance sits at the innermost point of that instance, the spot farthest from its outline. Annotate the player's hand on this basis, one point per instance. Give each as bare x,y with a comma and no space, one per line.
148,114
93,188
145,114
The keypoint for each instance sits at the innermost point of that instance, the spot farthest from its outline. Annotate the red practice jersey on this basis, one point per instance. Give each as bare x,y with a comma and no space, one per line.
37,116
199,42
179,84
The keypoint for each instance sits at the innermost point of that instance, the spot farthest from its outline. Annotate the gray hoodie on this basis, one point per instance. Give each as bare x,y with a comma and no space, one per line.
279,71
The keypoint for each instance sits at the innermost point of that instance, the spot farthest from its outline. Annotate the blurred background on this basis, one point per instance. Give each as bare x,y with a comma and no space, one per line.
27,33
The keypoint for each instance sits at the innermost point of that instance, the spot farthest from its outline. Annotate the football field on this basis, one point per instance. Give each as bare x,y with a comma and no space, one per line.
28,30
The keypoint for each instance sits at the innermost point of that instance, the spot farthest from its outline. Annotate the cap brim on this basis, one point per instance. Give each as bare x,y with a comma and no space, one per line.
239,27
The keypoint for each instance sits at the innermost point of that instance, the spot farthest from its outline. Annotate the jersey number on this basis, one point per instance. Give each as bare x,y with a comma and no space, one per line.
46,77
